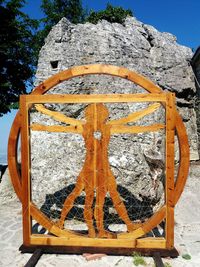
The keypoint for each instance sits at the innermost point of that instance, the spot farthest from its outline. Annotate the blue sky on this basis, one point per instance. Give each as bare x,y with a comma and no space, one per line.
179,17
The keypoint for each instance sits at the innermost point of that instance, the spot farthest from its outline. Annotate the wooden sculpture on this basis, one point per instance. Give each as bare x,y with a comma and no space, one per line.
96,130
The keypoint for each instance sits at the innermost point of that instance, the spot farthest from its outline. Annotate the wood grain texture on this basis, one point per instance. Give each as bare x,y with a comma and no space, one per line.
169,184
103,98
151,243
89,242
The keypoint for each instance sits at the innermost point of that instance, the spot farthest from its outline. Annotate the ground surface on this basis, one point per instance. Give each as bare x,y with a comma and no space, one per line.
187,232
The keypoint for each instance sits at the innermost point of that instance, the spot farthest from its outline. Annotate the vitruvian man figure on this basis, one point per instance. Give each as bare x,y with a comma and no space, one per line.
96,175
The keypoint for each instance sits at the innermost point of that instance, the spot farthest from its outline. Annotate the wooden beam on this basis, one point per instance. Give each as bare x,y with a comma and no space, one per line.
158,260
81,242
106,98
184,158
56,128
173,253
34,258
151,242
25,171
170,131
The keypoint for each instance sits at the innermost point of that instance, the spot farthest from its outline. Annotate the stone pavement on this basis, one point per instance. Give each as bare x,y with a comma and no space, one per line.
187,239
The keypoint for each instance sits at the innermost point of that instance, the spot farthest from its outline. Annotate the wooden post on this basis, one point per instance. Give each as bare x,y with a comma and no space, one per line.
170,128
25,159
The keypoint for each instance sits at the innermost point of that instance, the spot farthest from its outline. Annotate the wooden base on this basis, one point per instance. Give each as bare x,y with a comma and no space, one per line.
173,253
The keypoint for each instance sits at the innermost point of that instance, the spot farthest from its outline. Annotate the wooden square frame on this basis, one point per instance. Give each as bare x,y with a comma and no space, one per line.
131,241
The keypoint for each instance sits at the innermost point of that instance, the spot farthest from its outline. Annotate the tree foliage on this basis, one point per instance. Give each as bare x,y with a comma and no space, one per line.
111,14
16,52
21,39
55,10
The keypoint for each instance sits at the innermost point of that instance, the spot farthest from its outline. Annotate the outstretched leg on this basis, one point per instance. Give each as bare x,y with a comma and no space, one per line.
88,212
99,214
68,204
119,204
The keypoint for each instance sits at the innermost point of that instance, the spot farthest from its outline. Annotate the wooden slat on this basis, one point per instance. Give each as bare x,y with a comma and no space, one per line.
83,242
101,166
25,171
151,243
58,116
56,128
136,129
135,115
106,98
170,131
184,163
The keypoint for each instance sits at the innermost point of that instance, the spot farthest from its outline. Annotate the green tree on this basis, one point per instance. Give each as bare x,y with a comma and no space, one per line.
55,10
111,14
21,41
17,63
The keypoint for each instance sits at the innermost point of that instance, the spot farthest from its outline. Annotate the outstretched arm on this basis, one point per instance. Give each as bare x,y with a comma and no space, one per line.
120,125
135,115
74,125
58,116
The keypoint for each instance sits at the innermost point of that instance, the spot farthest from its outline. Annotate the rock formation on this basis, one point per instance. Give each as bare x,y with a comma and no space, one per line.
136,160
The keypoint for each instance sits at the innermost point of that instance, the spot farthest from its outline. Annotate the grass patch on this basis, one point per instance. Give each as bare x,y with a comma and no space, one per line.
138,259
166,264
186,257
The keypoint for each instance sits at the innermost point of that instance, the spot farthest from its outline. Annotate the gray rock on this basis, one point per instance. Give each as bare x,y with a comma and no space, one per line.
136,160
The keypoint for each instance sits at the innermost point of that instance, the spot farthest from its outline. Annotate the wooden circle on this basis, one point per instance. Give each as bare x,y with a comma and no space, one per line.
107,70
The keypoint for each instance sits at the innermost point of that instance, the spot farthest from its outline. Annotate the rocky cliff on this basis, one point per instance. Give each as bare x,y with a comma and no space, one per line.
135,160
134,45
